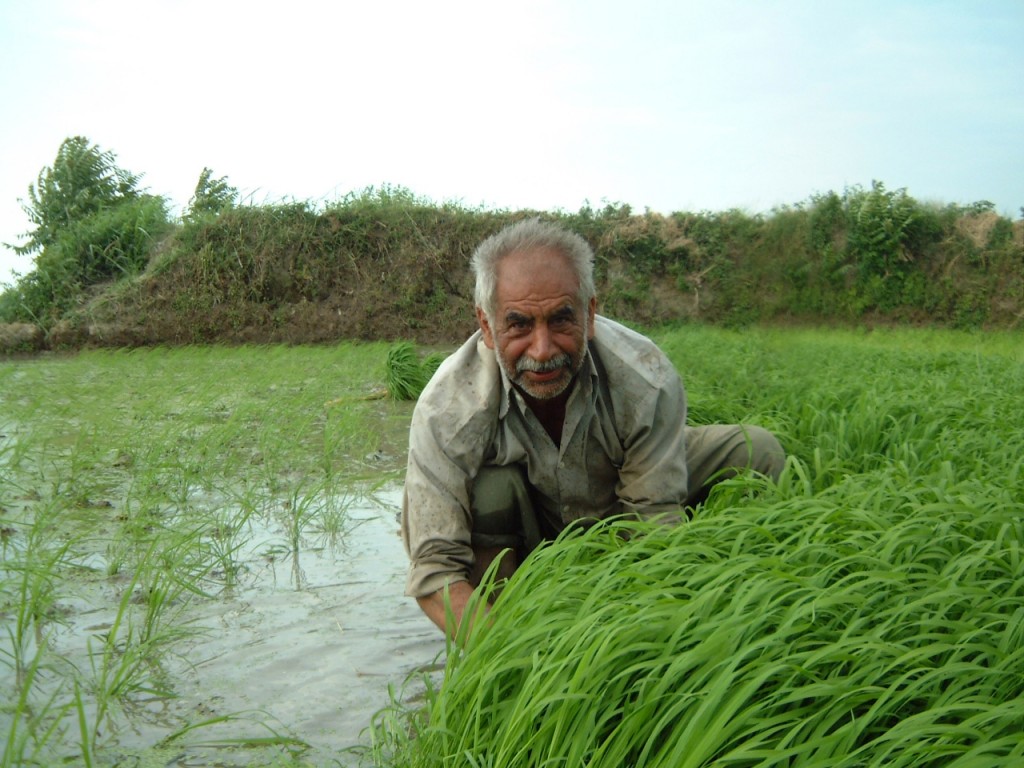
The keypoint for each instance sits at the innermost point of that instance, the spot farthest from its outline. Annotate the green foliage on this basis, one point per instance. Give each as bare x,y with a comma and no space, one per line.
823,632
251,253
112,243
898,515
879,221
82,181
211,196
131,491
827,222
867,609
406,375
92,225
385,263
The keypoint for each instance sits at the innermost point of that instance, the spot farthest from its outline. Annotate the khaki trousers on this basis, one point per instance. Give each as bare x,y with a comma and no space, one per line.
504,514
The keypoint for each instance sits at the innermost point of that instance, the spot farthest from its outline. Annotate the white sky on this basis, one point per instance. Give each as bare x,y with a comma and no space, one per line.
673,106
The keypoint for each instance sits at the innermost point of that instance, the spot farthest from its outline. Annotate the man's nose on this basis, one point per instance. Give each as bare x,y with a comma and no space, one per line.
542,345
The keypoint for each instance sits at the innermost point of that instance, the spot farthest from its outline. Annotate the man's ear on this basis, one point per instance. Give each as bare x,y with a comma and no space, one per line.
591,313
485,328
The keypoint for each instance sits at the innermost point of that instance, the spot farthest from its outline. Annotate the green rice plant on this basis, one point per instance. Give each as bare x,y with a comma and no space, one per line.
404,373
223,541
291,745
431,363
315,507
86,743
151,466
863,610
33,600
332,518
128,660
854,628
35,726
30,590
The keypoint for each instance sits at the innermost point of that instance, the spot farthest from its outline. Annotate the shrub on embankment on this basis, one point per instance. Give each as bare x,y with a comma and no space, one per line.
386,264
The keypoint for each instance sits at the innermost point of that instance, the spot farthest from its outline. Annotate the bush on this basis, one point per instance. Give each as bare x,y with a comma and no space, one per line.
92,224
113,243
82,181
210,197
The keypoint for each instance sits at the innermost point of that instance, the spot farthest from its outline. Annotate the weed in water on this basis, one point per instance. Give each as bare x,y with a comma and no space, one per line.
865,609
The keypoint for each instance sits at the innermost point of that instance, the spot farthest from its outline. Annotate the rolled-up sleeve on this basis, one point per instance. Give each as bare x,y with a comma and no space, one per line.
653,478
452,426
436,523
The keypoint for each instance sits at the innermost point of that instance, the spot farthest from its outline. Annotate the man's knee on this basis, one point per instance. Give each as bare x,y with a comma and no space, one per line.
766,453
502,510
719,451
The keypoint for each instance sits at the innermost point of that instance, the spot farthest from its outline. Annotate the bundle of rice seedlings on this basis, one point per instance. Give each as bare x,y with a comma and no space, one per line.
819,631
431,363
404,373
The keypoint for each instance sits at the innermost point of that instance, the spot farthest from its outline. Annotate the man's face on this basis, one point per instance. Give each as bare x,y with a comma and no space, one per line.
540,328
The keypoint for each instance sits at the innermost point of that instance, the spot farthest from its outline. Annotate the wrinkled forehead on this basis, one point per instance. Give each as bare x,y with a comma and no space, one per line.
537,269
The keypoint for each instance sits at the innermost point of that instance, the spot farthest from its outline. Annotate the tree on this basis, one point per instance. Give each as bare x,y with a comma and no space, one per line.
82,181
92,224
211,196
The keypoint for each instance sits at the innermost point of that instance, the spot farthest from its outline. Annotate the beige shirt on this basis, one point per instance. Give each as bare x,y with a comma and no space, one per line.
622,447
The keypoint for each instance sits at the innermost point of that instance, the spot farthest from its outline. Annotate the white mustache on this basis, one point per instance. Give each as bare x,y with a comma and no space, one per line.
524,364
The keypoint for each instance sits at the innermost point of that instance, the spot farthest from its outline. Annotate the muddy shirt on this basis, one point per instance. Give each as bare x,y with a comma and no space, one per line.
621,450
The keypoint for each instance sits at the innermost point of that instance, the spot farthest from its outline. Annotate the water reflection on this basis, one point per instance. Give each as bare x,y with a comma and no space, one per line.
311,655
319,659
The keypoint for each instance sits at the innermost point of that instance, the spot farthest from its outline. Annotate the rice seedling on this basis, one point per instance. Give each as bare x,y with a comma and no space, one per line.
223,541
406,375
34,723
792,633
865,610
31,588
151,466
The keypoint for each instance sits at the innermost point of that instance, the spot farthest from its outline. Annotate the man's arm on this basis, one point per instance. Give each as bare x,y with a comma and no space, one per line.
459,593
651,423
452,426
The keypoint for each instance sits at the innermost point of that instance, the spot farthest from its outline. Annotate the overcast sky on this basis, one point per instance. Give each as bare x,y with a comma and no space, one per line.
673,106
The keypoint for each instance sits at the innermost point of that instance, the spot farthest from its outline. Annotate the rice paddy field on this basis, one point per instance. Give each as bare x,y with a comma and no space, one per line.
201,567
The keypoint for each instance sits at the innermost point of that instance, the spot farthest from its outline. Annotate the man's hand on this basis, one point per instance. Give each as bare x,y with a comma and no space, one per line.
459,593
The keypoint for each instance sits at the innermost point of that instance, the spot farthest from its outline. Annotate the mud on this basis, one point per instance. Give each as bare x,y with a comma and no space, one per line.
306,649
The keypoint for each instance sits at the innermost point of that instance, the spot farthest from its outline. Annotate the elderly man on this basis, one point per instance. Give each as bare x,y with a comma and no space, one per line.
548,415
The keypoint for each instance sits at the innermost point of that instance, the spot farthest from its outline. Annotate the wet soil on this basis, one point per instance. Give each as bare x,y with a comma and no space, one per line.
306,648
319,657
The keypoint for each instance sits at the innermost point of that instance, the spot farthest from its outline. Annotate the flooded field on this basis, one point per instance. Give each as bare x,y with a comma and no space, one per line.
202,566
303,648
318,658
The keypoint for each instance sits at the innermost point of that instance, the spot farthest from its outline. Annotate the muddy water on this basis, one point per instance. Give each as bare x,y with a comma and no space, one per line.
312,660
319,659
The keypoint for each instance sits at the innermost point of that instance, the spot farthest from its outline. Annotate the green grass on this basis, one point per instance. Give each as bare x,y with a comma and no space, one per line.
139,476
867,610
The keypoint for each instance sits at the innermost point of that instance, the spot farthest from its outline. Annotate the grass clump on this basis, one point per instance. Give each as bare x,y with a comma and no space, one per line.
866,610
405,373
794,633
